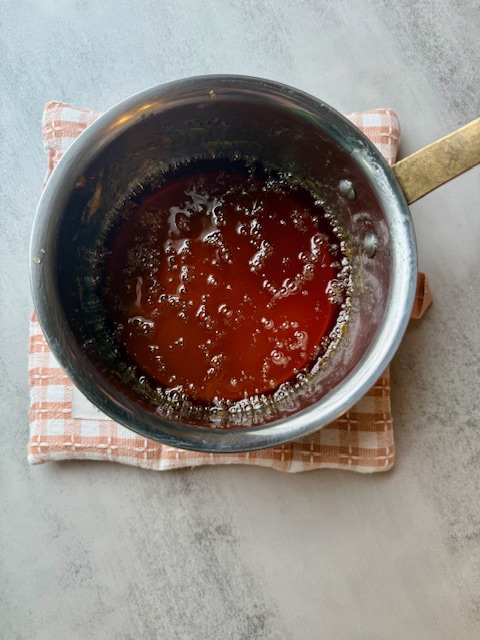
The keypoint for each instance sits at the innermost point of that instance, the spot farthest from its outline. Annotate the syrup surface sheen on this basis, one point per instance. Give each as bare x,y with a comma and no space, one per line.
225,281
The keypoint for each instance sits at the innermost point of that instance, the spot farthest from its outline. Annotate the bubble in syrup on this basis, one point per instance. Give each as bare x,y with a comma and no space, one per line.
303,257
308,271
318,239
218,359
184,273
291,286
259,258
302,339
279,358
202,312
146,325
335,291
255,228
225,311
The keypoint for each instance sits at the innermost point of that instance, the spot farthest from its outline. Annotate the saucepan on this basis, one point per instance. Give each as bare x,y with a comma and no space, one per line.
206,117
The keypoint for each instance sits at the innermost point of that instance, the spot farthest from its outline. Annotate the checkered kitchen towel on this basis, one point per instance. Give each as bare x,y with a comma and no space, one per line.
63,426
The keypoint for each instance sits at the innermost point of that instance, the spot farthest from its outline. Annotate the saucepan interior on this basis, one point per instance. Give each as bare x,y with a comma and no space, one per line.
207,117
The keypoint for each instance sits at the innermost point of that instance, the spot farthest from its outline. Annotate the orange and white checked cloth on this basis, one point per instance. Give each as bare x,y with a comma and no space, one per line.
360,440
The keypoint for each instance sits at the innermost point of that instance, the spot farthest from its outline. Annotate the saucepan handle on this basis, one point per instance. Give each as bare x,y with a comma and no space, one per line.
439,162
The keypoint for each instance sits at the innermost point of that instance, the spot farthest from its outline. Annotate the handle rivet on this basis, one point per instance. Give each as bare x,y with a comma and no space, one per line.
370,243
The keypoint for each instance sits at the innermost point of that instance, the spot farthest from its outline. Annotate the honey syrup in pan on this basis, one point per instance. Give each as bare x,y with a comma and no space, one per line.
225,281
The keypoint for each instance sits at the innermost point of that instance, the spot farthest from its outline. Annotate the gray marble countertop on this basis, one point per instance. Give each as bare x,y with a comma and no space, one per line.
97,550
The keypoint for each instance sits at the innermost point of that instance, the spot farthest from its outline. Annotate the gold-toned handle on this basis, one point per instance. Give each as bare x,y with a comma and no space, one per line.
439,162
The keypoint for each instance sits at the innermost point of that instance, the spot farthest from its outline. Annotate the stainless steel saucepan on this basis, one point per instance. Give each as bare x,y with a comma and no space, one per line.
299,134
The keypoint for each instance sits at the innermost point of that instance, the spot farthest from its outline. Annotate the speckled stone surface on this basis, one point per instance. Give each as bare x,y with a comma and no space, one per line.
96,550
